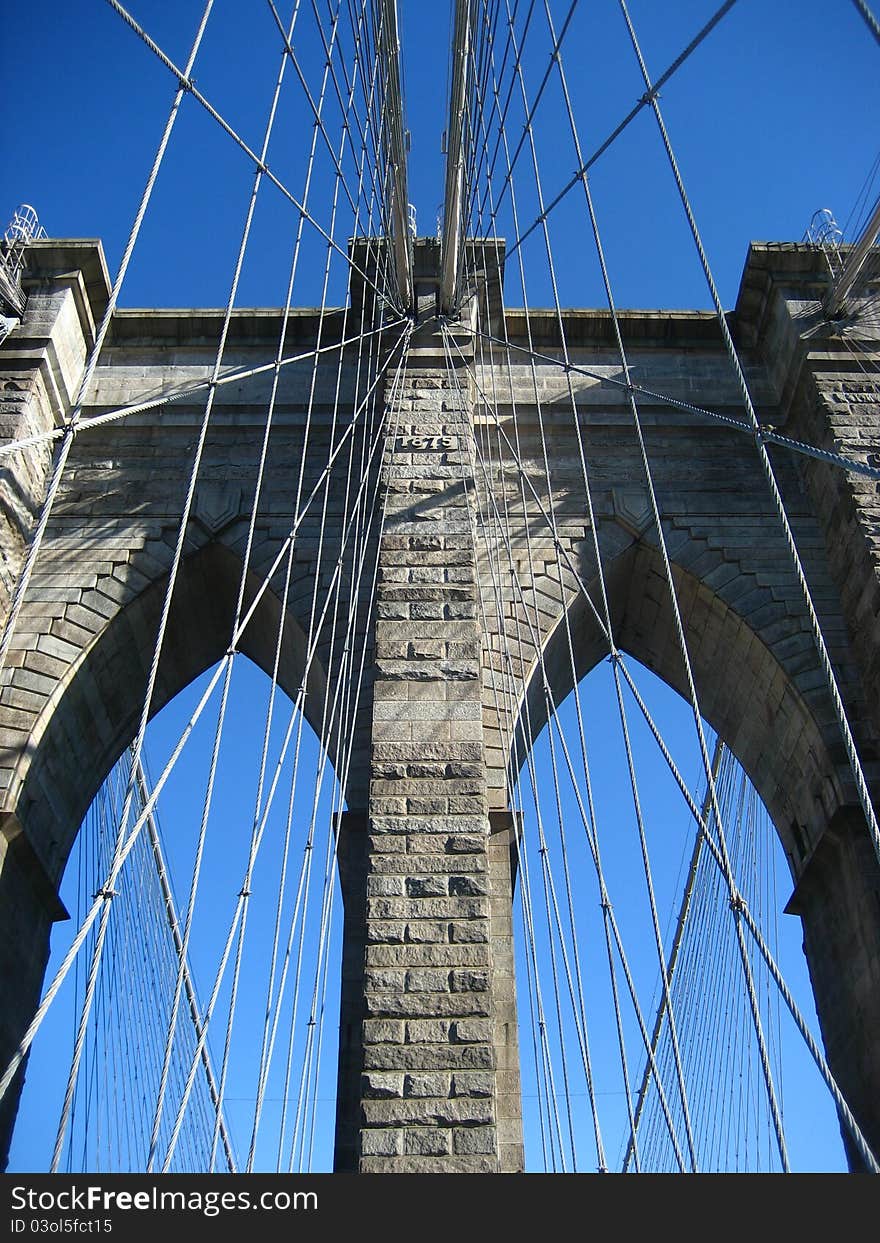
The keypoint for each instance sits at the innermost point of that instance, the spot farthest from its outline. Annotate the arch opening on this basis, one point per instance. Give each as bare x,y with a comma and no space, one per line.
91,718
564,967
749,692
296,940
94,711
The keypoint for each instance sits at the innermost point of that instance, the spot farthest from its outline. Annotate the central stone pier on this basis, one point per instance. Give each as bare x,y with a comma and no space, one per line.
429,1068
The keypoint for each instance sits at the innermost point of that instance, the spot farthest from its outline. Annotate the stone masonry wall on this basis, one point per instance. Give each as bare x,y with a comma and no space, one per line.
834,401
439,1087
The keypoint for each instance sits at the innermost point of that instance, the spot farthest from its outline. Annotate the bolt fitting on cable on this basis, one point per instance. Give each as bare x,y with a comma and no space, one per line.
737,903
106,894
244,892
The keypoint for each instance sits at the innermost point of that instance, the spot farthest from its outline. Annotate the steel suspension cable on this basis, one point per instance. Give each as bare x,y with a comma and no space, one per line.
69,431
766,465
676,944
187,85
546,1095
242,928
98,902
224,699
870,20
254,848
679,629
600,1154
550,902
255,843
741,909
769,435
584,166
606,905
529,134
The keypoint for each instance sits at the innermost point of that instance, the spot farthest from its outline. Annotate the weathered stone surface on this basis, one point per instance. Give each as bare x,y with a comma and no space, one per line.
470,1031
427,1112
473,1084
378,1031
426,1085
424,980
382,1143
418,1005
426,886
438,1056
427,1143
382,1086
467,955
474,1140
428,1165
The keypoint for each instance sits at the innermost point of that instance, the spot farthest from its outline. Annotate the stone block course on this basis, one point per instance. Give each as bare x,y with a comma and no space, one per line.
422,1005
428,788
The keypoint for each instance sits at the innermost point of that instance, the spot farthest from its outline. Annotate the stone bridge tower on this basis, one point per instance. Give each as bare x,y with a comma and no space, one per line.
429,1074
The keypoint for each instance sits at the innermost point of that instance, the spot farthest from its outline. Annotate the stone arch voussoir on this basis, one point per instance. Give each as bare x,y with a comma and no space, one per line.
93,711
749,688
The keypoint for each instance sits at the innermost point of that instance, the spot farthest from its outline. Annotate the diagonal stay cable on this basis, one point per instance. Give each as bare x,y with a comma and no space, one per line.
116,866
767,467
256,840
530,115
319,120
676,611
580,1009
188,86
106,895
645,99
741,909
767,433
611,922
870,20
390,404
69,431
173,920
542,508
675,948
246,884
234,375
551,906
227,678
270,1026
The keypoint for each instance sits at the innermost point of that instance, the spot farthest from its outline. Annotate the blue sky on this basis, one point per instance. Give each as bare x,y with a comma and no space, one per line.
773,118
